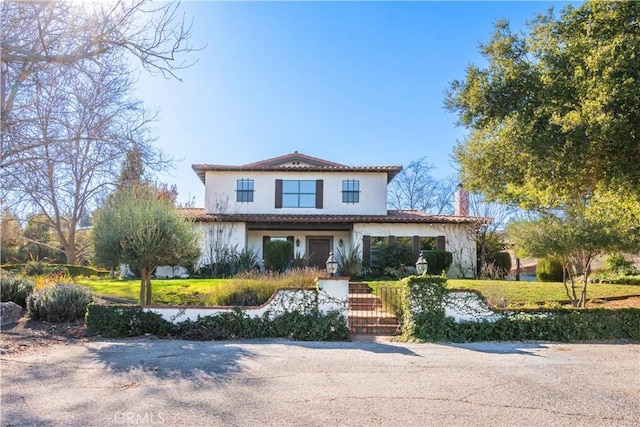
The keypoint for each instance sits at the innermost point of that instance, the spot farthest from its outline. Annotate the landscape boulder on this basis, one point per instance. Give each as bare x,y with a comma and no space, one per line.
10,312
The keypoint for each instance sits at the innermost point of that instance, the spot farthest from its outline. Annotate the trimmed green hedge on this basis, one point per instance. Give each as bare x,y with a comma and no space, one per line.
549,270
561,325
438,261
127,321
425,299
71,270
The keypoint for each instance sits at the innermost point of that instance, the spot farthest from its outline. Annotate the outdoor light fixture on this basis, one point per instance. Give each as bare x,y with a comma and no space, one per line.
332,265
421,265
340,243
297,242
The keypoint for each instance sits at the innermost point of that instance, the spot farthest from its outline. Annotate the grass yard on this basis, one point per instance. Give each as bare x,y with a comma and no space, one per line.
255,291
165,291
241,291
512,294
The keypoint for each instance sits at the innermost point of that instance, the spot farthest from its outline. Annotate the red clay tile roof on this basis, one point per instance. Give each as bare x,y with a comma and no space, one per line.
393,216
294,157
281,163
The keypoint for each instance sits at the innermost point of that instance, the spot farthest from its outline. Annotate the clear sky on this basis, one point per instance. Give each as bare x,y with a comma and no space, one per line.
358,83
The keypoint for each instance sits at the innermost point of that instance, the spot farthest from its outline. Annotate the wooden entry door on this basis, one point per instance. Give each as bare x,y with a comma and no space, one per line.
318,250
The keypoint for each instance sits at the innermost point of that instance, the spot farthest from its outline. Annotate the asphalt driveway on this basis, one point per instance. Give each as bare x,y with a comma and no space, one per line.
282,383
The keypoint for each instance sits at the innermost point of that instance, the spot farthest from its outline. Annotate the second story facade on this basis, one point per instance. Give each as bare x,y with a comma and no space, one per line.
296,184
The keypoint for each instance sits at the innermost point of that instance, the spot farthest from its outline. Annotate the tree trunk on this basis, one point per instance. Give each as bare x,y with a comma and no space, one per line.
149,289
483,253
143,286
583,293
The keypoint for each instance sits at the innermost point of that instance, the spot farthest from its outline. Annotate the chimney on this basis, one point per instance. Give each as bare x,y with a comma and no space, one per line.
462,201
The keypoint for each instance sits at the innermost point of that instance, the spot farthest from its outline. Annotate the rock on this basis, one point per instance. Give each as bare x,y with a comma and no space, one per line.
10,312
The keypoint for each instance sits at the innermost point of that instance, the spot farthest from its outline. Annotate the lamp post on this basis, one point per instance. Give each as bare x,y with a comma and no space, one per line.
421,265
332,265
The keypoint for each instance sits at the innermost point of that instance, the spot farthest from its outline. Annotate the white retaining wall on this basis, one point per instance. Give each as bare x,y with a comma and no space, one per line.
331,295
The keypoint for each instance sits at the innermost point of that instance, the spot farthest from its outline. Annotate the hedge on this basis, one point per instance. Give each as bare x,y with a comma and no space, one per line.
128,321
71,270
425,299
437,260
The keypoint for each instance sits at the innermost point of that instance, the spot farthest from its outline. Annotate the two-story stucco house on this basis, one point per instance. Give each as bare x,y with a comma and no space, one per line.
321,207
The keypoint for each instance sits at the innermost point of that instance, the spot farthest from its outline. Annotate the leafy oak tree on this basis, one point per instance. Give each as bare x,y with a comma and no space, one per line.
556,113
609,222
141,229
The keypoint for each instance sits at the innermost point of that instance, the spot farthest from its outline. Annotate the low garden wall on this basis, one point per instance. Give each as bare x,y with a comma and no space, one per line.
434,313
331,295
299,314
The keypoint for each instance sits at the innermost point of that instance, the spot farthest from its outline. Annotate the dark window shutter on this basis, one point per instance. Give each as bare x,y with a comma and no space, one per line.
440,243
366,250
319,193
278,194
265,240
291,239
416,247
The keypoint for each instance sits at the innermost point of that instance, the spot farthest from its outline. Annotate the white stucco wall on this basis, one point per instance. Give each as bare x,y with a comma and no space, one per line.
333,294
233,234
220,192
254,239
459,239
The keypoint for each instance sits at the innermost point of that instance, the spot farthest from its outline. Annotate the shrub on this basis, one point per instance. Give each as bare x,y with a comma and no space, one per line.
618,264
16,289
438,261
425,319
313,326
277,254
549,270
126,321
59,303
395,255
299,261
114,321
82,270
39,268
350,263
423,304
501,261
245,260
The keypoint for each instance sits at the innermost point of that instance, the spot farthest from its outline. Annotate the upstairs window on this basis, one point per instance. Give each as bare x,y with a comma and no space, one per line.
298,194
351,191
244,190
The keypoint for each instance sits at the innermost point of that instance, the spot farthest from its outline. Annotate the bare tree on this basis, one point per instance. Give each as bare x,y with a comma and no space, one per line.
84,129
67,116
500,214
414,188
219,249
41,40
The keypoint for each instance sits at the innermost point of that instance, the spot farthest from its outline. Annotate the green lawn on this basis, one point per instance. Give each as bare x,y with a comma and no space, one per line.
503,293
518,294
165,291
210,291
244,291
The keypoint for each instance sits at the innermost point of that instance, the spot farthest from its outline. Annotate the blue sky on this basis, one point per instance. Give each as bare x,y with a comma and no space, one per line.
358,83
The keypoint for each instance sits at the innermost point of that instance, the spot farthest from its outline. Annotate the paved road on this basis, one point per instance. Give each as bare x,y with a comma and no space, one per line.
284,383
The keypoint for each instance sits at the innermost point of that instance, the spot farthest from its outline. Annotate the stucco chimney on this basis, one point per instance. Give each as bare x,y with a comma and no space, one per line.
462,201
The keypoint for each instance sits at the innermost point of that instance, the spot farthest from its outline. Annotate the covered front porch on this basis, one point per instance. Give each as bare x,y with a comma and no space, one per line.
311,241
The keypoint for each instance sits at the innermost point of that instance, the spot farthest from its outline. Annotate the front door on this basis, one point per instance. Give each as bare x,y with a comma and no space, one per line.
318,250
